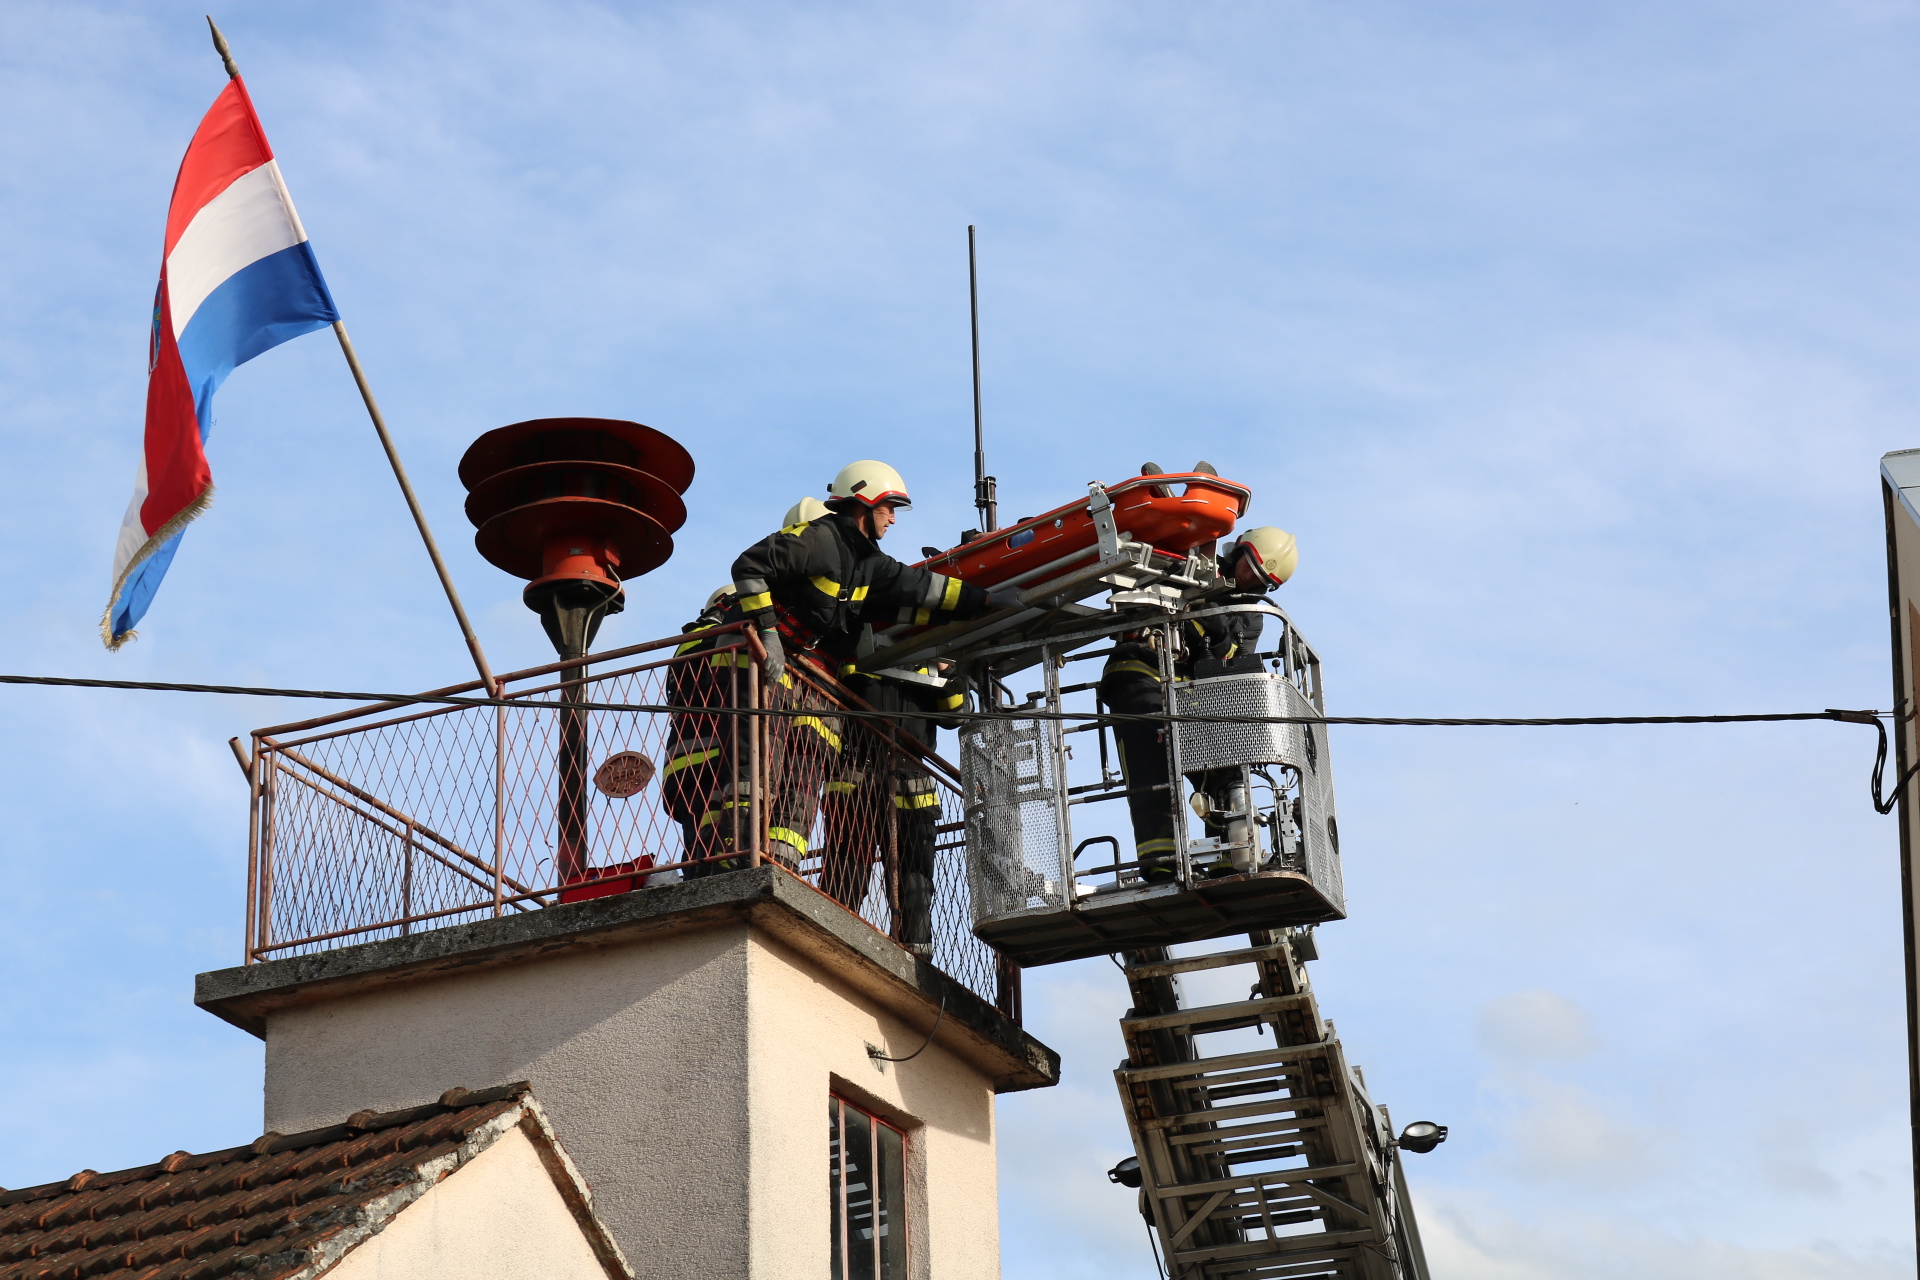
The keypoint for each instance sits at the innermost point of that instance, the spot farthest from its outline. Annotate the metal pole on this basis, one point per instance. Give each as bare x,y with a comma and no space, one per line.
253,848
263,916
1057,748
419,516
499,807
890,814
984,497
1176,784
756,730
730,788
406,885
571,855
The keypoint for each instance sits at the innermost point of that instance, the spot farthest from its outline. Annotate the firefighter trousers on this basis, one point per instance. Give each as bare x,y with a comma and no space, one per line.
884,816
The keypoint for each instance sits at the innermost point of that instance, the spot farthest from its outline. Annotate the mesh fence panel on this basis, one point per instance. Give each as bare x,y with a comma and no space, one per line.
415,820
1014,840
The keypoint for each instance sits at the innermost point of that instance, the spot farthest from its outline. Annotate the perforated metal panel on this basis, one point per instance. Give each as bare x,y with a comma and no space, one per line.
1301,746
1321,831
1015,845
1215,746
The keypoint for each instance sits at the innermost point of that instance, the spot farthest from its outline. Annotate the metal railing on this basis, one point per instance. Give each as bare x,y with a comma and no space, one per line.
396,817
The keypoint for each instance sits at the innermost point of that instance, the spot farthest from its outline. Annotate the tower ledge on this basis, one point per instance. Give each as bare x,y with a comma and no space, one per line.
764,898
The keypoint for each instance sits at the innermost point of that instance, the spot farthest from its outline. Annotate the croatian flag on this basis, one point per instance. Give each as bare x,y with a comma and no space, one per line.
236,279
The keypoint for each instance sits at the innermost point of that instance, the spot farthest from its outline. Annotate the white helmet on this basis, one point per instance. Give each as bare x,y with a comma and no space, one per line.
869,483
1274,554
719,594
805,511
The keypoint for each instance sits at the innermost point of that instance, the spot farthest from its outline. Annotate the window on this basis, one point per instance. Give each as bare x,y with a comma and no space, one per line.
867,1177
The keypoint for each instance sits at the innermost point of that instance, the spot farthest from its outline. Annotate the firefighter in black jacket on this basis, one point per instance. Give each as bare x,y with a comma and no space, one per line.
806,588
700,746
883,805
697,783
1258,561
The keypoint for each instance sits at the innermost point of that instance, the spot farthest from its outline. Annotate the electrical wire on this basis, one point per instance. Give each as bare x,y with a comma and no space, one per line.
1882,803
877,1056
1004,713
1880,769
1153,1240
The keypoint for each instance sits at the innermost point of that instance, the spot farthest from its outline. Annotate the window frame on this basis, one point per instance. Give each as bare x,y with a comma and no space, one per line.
892,1254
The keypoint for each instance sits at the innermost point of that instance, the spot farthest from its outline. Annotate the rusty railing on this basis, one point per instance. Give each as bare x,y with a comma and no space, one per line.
386,819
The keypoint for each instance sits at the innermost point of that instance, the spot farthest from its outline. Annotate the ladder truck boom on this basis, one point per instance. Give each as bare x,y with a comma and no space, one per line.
1258,1152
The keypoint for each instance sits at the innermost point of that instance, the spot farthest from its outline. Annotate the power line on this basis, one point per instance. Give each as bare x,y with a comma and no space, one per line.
1883,801
1016,712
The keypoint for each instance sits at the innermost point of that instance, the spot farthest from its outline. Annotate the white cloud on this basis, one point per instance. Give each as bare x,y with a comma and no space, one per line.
1467,1238
1535,1026
1560,1131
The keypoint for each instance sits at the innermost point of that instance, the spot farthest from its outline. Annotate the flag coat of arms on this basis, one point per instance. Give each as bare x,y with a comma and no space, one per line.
237,278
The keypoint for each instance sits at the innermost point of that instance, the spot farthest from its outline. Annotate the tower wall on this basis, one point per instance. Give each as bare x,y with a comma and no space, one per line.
684,1043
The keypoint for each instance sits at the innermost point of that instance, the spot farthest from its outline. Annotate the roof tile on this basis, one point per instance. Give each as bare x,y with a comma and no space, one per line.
255,1212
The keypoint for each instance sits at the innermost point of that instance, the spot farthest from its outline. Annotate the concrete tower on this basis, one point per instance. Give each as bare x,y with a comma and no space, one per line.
687,1042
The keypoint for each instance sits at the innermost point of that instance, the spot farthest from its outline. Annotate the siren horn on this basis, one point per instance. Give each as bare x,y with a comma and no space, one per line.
578,505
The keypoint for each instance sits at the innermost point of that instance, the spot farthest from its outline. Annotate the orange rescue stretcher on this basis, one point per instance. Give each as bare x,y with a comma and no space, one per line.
1172,513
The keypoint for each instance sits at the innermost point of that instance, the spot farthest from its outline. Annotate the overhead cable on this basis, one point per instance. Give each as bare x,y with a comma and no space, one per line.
1019,712
1882,802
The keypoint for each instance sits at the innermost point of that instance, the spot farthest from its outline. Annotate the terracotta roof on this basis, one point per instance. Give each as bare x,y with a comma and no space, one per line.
279,1208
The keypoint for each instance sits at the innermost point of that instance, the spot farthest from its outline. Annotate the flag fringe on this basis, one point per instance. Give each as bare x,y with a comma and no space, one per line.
180,520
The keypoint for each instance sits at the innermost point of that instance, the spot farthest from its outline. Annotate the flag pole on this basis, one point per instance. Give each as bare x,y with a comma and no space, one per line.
419,516
393,454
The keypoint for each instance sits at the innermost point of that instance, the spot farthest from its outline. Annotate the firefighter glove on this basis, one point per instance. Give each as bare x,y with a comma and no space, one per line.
776,655
1004,598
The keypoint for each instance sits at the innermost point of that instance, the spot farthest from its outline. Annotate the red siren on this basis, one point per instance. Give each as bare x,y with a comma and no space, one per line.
579,506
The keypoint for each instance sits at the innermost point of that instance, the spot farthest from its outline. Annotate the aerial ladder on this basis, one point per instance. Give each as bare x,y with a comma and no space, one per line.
1258,1162
1255,1157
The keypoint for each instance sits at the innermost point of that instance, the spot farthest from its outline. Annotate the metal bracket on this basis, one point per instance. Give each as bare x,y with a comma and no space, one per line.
911,677
1100,508
1152,596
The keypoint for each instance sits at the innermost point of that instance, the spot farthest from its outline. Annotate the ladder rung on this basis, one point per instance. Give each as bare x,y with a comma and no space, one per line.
1251,1202
1240,1135
1225,1062
1315,1270
1215,1092
1312,1243
1216,1114
1285,1152
1215,1013
1291,1217
1219,960
1272,1177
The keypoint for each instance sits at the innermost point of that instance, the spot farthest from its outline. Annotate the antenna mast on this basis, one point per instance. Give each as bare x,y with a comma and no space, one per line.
984,497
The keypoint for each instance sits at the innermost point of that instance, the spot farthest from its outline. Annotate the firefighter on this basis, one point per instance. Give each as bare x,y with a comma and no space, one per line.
1254,563
699,783
805,588
1131,683
699,747
805,511
883,805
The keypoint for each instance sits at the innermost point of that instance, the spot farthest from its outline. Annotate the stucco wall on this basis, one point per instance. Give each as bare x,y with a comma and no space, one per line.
497,1217
637,1053
809,1035
687,1075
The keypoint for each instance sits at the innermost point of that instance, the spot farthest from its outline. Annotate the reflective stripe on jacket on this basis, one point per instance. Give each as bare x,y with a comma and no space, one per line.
823,574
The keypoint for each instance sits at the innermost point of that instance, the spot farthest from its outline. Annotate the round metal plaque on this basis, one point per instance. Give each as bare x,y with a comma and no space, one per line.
623,774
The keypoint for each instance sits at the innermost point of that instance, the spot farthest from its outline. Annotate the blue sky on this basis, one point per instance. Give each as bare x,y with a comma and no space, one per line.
1565,338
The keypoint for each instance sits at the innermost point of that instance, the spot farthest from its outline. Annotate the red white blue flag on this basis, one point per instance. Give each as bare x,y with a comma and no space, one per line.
236,279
